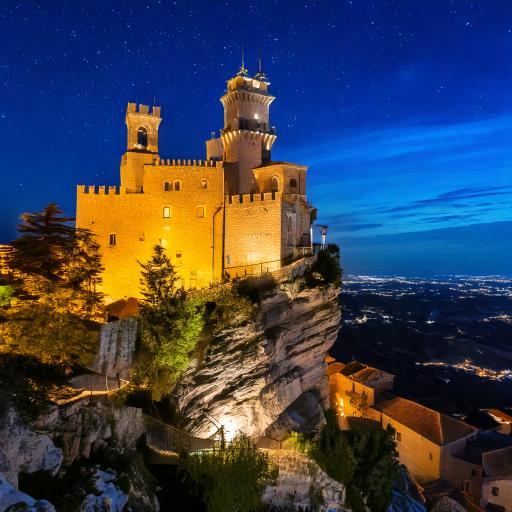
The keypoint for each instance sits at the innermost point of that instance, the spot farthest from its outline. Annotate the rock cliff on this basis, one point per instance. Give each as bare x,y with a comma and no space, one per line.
255,376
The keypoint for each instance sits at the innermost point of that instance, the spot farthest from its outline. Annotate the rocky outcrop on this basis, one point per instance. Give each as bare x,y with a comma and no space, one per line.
12,499
302,485
252,374
117,347
84,426
22,450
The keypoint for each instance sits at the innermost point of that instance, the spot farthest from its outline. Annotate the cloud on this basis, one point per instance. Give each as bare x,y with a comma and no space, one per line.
357,227
450,197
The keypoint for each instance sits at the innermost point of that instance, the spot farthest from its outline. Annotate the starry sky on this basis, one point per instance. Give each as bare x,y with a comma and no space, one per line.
402,109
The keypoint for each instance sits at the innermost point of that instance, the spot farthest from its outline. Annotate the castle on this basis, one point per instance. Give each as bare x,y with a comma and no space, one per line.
235,213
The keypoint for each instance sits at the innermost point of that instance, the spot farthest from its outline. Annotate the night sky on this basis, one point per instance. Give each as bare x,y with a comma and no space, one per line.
401,109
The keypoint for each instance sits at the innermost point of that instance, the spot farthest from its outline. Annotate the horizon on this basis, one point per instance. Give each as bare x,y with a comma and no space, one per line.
403,119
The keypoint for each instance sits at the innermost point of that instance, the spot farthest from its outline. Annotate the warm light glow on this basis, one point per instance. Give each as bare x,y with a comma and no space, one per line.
231,427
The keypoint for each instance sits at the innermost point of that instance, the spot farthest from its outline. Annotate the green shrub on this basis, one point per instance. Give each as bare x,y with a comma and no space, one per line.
254,288
26,383
232,477
326,269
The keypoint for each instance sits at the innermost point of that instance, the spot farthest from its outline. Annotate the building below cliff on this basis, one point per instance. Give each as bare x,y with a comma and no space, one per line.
432,445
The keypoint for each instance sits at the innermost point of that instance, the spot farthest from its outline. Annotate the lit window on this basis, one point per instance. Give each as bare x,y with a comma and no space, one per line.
112,239
275,184
398,436
293,186
179,257
142,137
200,212
177,186
495,491
167,212
167,186
204,184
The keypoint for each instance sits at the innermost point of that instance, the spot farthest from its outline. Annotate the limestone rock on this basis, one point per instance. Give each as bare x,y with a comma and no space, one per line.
82,427
302,484
252,374
11,498
104,495
22,450
117,346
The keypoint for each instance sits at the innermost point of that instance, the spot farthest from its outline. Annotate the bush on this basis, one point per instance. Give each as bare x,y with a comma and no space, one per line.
326,269
363,459
26,383
232,477
253,288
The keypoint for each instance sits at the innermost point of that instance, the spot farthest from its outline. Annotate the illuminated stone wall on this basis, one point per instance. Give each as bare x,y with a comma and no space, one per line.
138,223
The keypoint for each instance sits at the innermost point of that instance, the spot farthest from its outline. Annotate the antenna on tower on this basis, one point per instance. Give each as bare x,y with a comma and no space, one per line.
260,75
243,70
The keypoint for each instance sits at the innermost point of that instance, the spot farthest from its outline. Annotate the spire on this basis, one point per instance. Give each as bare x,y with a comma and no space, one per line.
260,75
242,71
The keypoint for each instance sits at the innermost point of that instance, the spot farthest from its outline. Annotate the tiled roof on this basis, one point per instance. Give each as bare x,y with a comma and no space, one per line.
351,368
434,426
498,464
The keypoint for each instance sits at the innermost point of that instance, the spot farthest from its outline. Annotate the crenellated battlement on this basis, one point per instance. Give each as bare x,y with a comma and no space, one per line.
253,199
142,109
186,163
111,190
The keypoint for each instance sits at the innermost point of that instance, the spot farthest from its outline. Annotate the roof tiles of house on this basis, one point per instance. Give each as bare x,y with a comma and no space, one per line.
434,426
485,444
498,464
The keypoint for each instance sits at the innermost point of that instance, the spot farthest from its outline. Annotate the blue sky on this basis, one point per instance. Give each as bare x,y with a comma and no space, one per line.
402,109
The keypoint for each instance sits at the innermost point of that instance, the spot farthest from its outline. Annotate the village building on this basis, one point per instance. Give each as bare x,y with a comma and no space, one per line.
433,446
234,213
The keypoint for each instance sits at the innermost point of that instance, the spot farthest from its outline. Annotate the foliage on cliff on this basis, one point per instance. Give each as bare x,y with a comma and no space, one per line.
171,325
27,382
232,477
55,269
326,270
55,258
362,458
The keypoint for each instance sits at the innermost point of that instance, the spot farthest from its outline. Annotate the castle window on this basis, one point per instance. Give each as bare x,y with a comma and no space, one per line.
177,186
167,212
201,211
430,456
167,186
112,239
398,436
293,186
467,486
142,137
179,257
495,491
275,184
204,184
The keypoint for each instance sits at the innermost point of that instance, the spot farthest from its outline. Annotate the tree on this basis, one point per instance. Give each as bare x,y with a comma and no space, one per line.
58,262
358,400
170,328
232,477
326,269
45,239
377,466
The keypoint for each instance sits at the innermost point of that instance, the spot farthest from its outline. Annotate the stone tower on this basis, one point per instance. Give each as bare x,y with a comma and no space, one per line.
247,137
141,145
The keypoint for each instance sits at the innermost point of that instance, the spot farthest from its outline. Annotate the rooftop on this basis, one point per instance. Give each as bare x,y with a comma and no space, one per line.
366,375
492,451
432,425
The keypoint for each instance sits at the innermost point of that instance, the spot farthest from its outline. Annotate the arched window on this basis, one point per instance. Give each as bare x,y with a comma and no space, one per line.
201,212
204,184
177,186
166,212
293,186
142,137
167,186
275,184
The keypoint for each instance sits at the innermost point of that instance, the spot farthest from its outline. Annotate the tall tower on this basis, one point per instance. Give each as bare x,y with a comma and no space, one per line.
141,145
247,136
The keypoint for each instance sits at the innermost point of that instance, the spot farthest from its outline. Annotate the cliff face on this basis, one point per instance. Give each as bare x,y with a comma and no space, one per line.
257,378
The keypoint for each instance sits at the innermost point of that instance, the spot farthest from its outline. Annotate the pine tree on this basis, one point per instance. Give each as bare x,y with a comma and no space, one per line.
45,238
